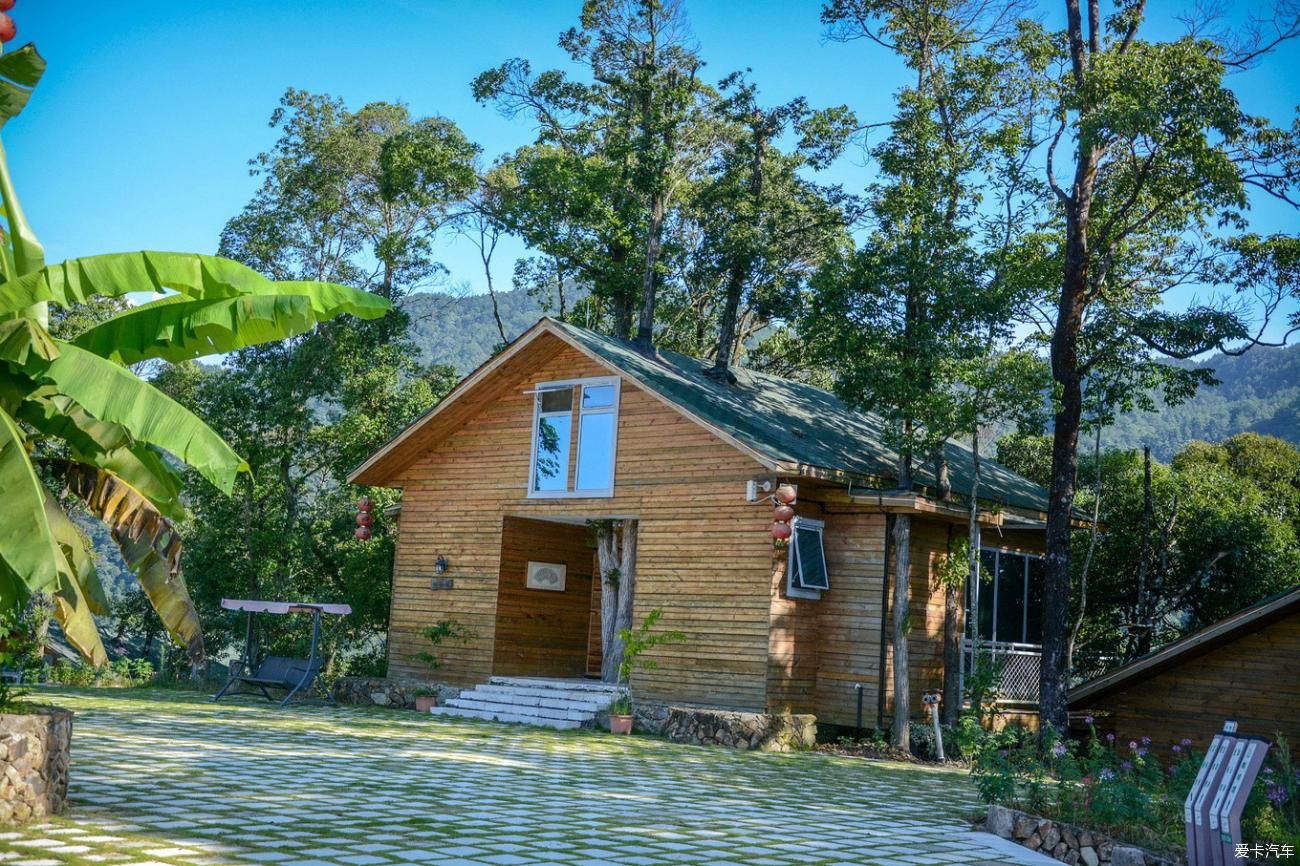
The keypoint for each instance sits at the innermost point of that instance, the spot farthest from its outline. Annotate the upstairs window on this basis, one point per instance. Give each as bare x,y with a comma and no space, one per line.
578,418
806,575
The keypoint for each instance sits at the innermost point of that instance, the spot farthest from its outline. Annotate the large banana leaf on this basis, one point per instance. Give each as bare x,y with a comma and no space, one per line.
26,544
150,546
179,328
196,276
22,339
112,393
103,445
19,72
80,593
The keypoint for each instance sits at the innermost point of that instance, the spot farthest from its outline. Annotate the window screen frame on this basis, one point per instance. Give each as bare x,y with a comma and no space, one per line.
993,587
576,413
793,588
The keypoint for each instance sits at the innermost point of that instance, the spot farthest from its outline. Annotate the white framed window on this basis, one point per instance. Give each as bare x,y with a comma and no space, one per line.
1008,600
805,569
581,413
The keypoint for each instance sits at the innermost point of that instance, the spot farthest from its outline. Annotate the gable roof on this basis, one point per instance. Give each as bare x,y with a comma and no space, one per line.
1226,630
786,425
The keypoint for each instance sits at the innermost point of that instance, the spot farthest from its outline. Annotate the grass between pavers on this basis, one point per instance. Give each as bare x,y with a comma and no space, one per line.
166,777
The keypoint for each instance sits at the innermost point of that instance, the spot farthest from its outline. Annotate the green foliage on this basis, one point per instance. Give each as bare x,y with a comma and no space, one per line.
637,641
121,673
443,630
12,651
1027,453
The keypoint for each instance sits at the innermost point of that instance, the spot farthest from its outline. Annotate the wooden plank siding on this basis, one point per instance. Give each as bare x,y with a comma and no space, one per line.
704,554
1254,679
543,632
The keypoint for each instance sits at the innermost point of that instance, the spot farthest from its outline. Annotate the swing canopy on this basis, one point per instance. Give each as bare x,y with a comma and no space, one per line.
291,675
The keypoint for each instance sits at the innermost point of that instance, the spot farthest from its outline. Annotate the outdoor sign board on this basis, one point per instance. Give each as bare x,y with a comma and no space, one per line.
1196,809
1234,803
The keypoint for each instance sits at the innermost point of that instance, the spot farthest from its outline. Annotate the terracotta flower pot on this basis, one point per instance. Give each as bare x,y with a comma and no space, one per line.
620,724
424,703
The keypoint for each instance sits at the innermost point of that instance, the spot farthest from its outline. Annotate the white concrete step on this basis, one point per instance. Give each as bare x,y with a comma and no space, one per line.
591,701
470,702
492,716
556,684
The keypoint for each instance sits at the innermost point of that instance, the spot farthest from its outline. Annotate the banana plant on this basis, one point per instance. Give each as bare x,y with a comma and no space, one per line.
78,425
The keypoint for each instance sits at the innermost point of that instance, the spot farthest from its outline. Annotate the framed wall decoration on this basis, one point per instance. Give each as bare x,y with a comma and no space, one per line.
547,575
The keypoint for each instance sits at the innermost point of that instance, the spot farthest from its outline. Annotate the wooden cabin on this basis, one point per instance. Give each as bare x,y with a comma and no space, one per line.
1245,668
566,426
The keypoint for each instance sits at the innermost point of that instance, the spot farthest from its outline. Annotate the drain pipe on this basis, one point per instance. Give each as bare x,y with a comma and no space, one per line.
858,688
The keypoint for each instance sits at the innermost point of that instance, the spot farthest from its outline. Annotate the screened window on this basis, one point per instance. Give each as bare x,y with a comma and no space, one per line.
1008,600
578,418
806,574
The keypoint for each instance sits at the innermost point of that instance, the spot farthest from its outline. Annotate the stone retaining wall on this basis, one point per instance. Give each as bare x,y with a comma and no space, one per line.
1066,842
376,692
706,726
34,751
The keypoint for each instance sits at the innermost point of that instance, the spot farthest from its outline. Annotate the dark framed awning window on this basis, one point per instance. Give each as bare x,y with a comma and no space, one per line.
806,572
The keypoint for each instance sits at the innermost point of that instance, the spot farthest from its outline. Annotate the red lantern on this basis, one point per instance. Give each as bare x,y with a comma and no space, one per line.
363,533
785,494
783,513
6,5
780,531
365,503
8,29
365,518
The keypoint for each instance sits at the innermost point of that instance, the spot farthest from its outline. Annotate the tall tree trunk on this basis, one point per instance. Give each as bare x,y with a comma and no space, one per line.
973,551
645,331
1087,559
900,736
1138,621
607,554
626,593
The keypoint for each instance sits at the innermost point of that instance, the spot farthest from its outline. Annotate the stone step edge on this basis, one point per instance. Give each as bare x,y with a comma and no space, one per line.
593,699
518,710
456,712
557,685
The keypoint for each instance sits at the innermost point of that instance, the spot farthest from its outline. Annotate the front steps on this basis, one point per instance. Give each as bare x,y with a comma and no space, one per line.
551,703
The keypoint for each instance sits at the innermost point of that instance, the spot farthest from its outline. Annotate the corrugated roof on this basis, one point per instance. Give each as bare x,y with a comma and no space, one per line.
795,423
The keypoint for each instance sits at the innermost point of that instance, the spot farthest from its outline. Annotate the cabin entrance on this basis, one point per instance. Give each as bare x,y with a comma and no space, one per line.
548,600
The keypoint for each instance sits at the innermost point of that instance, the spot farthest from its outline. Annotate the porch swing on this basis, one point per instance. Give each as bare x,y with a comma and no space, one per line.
291,675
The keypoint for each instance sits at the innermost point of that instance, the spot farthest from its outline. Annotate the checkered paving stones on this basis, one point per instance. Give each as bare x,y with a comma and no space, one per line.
169,779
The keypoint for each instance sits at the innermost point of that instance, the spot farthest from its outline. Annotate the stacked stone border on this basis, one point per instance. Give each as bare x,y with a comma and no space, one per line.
35,748
1066,842
710,726
379,692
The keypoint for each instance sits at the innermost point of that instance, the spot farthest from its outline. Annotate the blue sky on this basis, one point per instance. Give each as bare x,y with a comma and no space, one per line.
140,134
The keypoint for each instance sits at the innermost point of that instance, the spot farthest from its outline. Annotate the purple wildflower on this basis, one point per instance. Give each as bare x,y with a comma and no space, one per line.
1146,741
1142,751
1110,738
1186,742
1177,748
1132,744
1106,774
1088,720
1277,794
1059,750
1126,765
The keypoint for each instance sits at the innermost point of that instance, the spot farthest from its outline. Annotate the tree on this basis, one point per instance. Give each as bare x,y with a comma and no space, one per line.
1136,196
612,157
75,418
901,318
357,196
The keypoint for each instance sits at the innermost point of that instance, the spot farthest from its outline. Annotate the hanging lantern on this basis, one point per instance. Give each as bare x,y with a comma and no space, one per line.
365,518
780,530
783,513
365,503
363,533
785,494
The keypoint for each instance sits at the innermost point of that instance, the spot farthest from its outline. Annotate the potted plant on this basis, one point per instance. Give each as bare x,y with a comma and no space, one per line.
443,630
635,643
34,790
425,699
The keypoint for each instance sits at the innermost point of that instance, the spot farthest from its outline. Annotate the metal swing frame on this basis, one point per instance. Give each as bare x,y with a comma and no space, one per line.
291,675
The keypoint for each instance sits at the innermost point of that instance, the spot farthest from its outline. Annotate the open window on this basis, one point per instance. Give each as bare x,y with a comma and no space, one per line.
806,574
579,418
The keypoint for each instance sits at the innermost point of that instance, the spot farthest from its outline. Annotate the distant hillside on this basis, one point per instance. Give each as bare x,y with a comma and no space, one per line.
1259,392
461,330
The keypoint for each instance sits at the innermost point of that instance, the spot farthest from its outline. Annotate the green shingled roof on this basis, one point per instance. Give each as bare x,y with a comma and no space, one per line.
791,422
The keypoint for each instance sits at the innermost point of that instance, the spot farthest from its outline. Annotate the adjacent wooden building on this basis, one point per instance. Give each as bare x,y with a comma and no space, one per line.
1245,668
567,426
